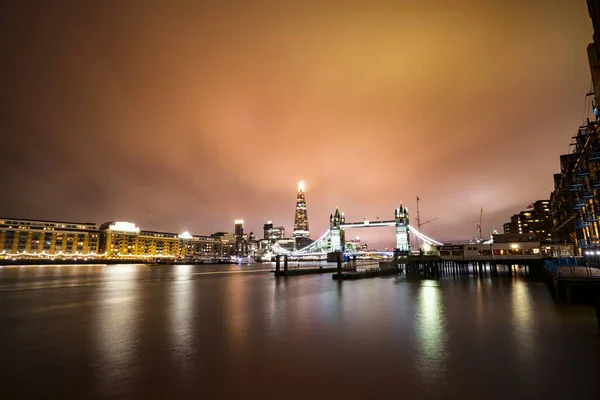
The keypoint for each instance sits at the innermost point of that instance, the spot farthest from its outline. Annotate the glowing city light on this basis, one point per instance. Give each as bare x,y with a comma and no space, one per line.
185,235
124,227
239,221
301,186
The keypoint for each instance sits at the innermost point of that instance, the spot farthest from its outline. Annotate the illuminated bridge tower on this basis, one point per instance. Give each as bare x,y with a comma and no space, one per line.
337,234
402,239
301,233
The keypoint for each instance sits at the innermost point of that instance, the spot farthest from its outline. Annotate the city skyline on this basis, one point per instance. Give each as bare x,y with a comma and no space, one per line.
187,119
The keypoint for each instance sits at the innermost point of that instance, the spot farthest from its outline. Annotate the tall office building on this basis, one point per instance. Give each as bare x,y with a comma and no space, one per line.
239,227
241,242
301,233
301,218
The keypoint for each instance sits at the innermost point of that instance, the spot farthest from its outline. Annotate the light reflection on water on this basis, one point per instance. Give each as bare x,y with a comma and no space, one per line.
182,313
192,331
524,326
116,327
236,312
431,332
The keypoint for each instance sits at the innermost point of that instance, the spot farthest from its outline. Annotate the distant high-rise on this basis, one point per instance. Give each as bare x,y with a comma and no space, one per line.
239,227
241,242
273,233
301,218
301,233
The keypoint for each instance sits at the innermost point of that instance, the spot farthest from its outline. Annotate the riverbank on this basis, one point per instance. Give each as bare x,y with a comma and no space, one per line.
103,261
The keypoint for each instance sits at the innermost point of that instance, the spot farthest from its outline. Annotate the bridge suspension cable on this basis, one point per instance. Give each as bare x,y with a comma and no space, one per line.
314,247
424,238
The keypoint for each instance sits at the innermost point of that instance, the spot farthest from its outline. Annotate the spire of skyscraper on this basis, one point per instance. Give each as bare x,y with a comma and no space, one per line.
301,218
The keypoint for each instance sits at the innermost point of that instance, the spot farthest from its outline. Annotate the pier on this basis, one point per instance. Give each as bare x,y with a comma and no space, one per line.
573,277
282,268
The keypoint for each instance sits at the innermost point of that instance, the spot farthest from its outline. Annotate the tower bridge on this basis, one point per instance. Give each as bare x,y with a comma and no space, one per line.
333,240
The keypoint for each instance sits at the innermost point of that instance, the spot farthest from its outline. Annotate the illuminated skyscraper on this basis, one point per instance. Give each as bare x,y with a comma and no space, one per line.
239,227
301,232
241,242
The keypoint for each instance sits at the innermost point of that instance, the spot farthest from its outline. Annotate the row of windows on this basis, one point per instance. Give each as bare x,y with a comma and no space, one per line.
27,224
497,252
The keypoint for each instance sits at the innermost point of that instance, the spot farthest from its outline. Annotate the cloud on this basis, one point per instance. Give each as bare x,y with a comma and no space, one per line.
189,117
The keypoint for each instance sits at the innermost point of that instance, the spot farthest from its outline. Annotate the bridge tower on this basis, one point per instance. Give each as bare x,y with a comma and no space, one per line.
402,238
337,234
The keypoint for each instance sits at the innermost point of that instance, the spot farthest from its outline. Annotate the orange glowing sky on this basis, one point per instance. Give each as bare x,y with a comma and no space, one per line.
186,117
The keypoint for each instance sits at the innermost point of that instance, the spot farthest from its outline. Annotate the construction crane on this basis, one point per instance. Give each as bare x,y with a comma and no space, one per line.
479,225
419,223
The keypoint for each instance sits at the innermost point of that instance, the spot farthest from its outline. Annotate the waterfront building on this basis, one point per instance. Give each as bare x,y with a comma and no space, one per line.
120,239
26,238
536,221
227,241
593,51
30,238
196,246
575,201
301,232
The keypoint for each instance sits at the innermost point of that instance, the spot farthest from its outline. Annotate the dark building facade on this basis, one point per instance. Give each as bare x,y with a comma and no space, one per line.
575,202
593,52
535,222
594,10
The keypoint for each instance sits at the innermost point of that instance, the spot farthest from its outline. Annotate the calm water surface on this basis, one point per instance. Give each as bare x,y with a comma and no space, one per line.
133,331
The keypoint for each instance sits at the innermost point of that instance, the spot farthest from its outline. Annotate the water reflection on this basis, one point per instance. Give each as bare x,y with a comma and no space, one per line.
157,332
237,311
182,303
479,309
116,326
431,333
523,321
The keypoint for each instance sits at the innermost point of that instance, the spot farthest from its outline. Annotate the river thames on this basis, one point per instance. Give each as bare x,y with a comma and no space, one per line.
177,331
